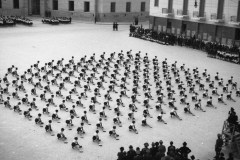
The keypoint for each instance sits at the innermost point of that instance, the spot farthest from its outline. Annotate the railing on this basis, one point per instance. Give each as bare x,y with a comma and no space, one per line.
179,12
195,14
233,18
213,16
164,10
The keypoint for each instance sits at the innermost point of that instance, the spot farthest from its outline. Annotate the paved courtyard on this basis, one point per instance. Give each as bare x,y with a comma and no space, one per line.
23,46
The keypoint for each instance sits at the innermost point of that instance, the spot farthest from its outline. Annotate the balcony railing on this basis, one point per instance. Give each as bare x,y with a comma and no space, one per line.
233,18
213,18
165,12
180,14
233,21
196,16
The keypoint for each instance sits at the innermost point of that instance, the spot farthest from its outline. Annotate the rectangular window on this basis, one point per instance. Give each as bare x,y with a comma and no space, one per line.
0,3
143,6
71,5
55,4
113,7
128,7
156,3
16,4
86,6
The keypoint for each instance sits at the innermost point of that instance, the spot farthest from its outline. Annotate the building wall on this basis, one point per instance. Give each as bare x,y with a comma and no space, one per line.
7,8
78,13
121,5
157,10
103,9
120,14
177,5
230,8
206,30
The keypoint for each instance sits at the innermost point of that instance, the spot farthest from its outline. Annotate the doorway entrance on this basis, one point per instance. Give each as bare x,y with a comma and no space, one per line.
35,7
184,28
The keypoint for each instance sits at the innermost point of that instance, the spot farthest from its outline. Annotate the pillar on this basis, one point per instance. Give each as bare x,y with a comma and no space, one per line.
201,8
154,23
185,7
170,6
29,7
220,9
96,15
238,13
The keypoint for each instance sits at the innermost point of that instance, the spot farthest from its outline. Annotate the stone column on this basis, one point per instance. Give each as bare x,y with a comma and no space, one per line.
96,11
201,8
185,7
220,9
238,13
170,6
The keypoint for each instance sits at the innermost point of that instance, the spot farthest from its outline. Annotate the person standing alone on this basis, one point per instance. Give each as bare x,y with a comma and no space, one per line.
218,146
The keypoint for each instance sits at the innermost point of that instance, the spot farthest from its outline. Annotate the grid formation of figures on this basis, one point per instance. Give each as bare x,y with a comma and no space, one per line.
88,82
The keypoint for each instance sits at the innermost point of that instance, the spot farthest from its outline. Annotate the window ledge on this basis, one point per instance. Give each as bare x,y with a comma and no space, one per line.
234,23
217,20
168,14
183,16
199,18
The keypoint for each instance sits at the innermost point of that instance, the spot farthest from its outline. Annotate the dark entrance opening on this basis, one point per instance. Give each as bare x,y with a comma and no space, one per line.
237,34
36,7
169,26
184,28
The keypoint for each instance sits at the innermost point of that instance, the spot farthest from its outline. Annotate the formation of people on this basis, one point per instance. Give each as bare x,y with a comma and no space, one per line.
122,75
57,20
213,49
12,20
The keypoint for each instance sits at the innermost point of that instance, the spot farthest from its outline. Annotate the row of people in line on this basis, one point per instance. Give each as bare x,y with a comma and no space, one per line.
157,151
57,20
12,20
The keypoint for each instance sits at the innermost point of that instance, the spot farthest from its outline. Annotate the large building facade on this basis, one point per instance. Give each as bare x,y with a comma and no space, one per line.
209,20
90,10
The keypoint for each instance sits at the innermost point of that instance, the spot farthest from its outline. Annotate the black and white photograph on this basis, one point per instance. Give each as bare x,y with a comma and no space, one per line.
119,79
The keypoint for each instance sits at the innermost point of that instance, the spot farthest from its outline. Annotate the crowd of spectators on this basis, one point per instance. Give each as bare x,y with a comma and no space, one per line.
213,49
157,151
233,126
233,119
